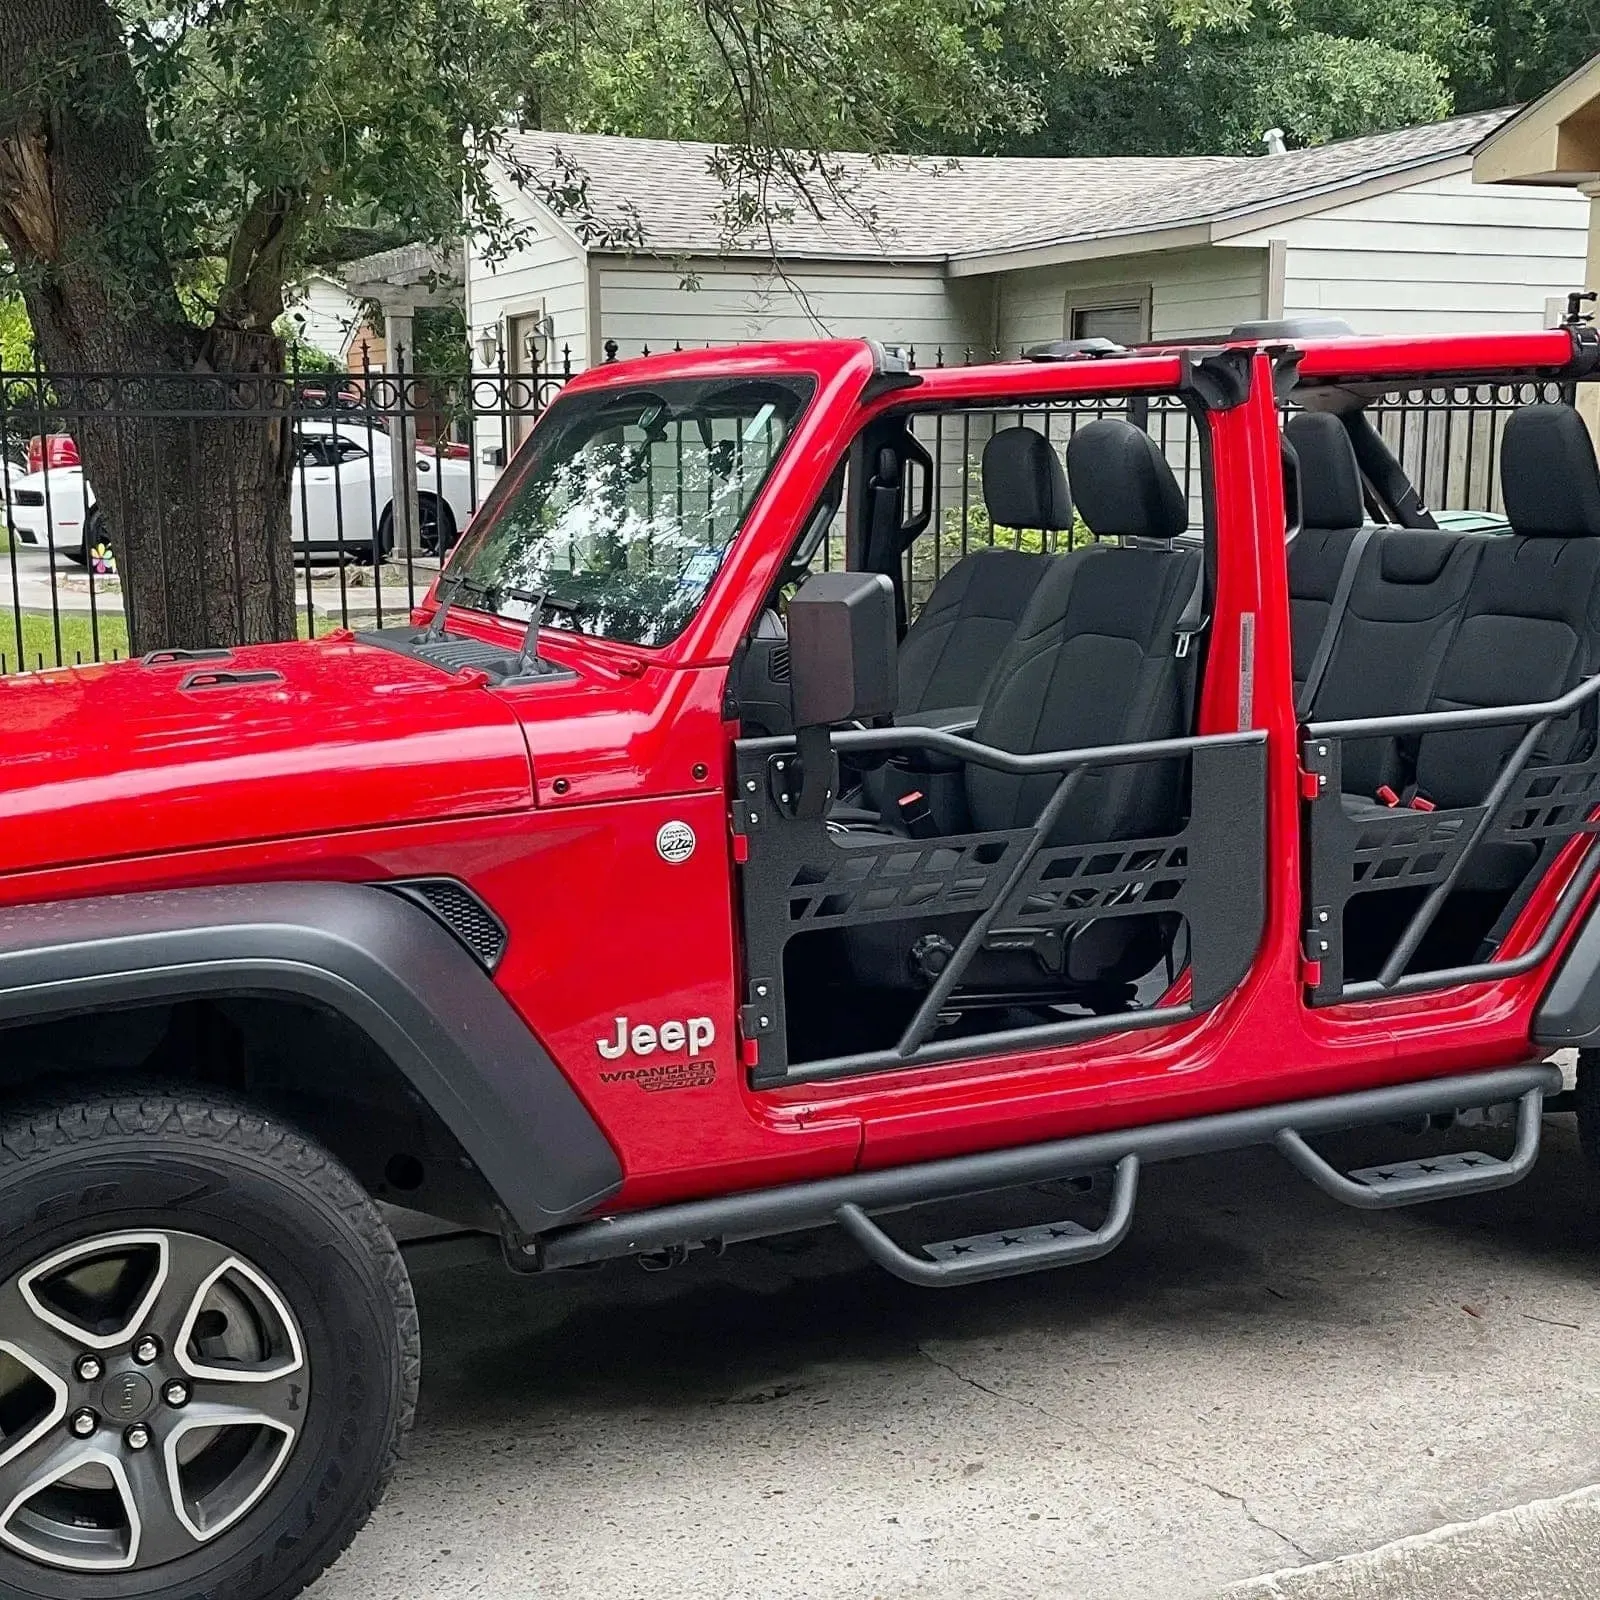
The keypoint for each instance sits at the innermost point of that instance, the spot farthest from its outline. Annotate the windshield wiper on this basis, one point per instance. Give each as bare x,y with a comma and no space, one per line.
449,590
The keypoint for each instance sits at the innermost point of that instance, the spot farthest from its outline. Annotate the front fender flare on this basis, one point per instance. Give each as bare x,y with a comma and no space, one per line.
381,962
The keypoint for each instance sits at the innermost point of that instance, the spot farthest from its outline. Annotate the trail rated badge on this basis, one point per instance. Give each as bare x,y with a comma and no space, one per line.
675,842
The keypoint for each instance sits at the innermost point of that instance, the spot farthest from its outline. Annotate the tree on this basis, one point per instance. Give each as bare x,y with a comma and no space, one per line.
1317,69
166,166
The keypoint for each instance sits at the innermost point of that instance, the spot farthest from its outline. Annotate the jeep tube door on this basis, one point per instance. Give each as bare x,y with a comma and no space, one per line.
1451,768
1056,909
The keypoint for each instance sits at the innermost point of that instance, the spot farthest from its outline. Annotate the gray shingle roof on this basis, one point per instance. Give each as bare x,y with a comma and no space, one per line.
1257,182
663,196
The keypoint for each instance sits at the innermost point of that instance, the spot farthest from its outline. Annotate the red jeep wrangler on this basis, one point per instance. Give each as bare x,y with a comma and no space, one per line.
676,878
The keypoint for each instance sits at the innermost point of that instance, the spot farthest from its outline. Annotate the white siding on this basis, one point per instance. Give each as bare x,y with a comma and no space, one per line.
330,315
545,271
1444,255
711,302
1202,291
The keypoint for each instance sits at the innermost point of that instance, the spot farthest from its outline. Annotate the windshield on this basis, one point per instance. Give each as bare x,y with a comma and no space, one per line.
620,514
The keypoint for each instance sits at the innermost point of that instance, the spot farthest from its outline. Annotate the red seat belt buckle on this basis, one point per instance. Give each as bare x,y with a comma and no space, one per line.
1387,795
1420,802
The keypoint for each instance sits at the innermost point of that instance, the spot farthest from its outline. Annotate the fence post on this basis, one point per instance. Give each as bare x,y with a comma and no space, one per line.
399,329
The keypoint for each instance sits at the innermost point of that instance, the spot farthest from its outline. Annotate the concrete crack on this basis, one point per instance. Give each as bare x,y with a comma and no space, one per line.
1151,1464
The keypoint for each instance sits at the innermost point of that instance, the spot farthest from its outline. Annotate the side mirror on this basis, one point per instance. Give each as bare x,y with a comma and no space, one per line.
842,649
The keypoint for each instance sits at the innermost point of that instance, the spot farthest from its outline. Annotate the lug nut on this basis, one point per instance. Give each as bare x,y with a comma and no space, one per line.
176,1394
90,1369
137,1437
148,1349
84,1423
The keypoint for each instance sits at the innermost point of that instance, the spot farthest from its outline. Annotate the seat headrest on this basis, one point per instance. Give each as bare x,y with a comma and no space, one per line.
1548,474
1330,476
1123,485
1023,484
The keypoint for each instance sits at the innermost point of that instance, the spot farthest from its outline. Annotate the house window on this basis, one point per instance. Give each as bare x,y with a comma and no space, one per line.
1121,315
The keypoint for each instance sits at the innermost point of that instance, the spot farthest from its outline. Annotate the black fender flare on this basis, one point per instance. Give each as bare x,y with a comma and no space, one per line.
1568,1012
380,961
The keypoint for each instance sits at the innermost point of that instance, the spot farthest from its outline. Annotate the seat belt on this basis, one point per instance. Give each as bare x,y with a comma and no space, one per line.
1336,610
1193,621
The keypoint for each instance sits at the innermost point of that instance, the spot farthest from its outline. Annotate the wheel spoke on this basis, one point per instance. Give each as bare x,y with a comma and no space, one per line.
39,1343
192,1265
198,1268
164,1534
266,1445
42,1468
88,1321
281,1401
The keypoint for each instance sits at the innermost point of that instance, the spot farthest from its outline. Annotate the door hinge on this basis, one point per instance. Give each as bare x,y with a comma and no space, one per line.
1315,946
1318,759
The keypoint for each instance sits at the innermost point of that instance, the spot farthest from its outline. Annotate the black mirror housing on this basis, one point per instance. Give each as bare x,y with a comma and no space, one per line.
843,656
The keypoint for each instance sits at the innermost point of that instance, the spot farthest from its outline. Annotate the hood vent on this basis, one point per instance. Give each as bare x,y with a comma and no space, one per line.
230,680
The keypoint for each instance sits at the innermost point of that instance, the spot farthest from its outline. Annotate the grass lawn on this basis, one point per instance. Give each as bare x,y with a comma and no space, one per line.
77,638
76,643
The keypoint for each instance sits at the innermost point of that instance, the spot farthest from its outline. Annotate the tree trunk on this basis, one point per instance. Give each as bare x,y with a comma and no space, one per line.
185,440
191,478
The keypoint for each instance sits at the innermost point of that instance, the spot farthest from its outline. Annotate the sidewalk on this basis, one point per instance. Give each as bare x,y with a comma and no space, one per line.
77,592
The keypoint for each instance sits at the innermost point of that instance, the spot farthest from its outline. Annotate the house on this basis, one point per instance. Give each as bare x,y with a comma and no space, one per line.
326,313
1389,232
1555,142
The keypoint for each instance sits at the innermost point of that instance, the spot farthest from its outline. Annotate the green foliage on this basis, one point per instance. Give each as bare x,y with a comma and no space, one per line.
1318,69
16,334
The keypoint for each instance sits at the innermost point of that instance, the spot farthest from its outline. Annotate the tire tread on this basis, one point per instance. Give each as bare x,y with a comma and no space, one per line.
33,1130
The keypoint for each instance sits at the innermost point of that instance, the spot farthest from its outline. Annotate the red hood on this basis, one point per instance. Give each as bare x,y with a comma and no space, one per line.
124,760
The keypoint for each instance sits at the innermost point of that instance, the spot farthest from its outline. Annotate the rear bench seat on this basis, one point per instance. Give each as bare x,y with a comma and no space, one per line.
1439,621
1331,512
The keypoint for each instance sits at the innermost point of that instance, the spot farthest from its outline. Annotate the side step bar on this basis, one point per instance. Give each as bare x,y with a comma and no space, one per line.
1000,1255
850,1199
1409,1183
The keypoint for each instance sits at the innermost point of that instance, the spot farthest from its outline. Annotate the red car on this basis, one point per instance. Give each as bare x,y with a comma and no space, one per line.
684,873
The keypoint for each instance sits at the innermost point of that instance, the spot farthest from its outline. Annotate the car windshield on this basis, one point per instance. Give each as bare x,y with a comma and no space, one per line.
626,503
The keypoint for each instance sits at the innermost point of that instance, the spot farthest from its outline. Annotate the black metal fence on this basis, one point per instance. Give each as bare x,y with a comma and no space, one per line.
389,465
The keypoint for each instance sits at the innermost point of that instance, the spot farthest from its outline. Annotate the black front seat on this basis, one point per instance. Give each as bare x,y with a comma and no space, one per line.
1095,661
951,650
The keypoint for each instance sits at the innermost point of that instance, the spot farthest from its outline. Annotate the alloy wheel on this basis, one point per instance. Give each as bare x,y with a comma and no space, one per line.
153,1386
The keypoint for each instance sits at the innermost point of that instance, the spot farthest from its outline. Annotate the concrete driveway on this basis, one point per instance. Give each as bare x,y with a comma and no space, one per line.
1258,1379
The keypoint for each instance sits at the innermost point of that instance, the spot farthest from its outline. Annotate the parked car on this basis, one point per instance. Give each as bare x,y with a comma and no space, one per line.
566,913
342,490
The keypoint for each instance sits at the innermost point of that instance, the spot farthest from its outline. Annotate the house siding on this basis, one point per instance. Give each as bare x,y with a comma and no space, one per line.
697,302
330,316
545,269
1203,291
1444,255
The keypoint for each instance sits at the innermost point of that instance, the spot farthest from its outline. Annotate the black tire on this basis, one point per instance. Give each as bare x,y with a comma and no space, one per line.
385,536
94,532
202,1172
439,531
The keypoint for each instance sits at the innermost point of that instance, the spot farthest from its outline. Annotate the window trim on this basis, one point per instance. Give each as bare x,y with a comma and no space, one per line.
1108,297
